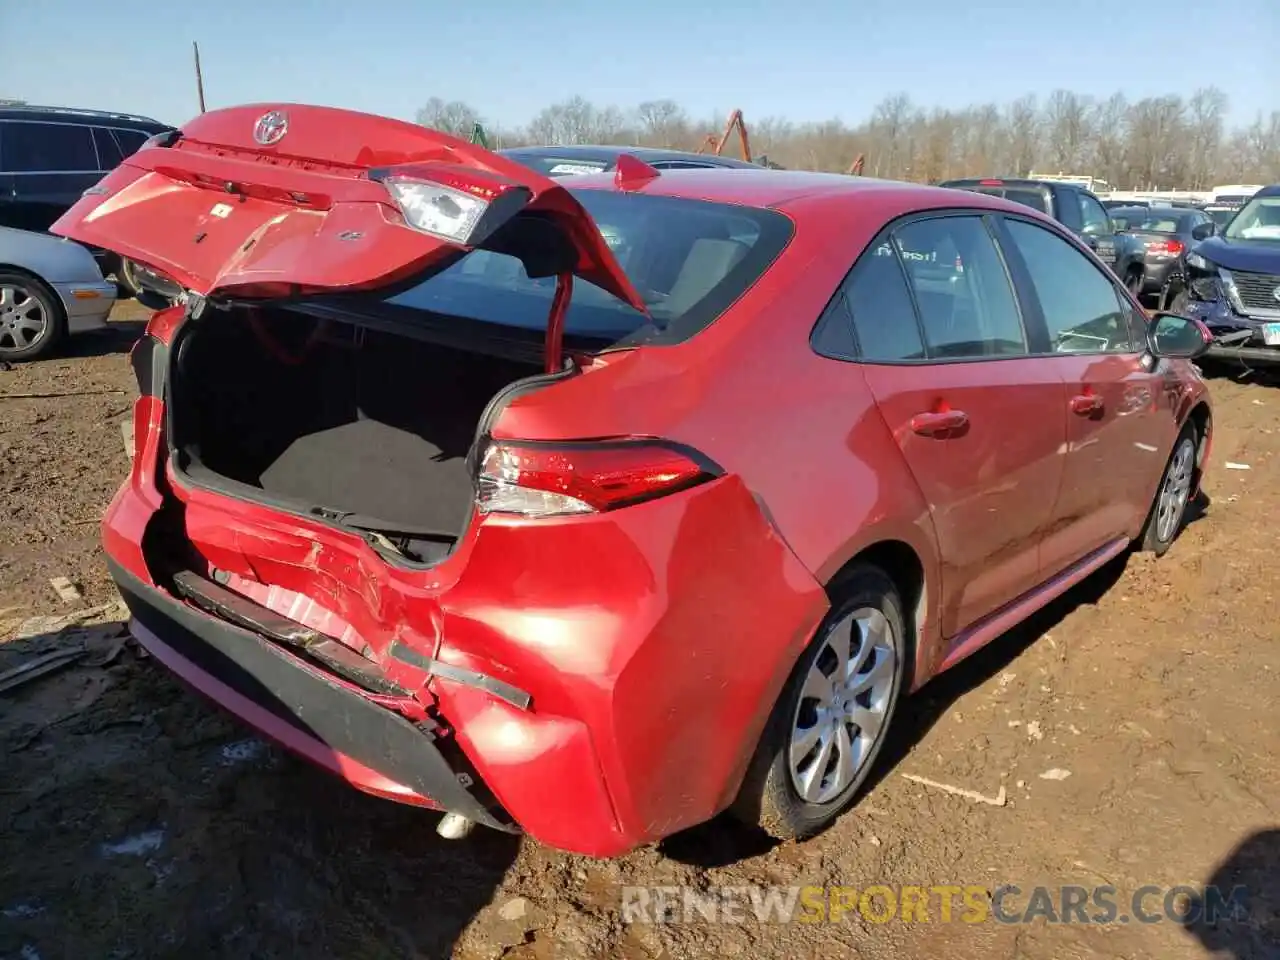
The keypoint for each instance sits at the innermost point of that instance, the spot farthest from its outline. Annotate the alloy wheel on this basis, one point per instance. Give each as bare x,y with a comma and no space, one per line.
846,696
23,318
1175,490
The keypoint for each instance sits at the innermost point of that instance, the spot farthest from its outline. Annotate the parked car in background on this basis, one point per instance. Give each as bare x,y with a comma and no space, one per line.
1221,213
577,159
1075,208
1233,283
1113,204
498,517
1167,234
49,287
50,155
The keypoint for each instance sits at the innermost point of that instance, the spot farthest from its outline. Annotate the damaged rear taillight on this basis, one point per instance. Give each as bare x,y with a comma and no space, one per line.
556,479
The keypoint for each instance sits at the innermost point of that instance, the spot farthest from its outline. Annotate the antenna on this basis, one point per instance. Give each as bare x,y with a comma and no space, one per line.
195,48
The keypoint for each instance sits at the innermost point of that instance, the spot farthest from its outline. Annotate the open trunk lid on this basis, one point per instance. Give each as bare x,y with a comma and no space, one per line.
289,200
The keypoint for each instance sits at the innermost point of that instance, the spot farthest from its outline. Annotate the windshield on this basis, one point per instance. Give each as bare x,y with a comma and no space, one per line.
1259,219
689,259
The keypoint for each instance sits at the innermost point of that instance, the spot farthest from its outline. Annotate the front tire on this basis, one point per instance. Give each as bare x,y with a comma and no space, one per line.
1169,511
827,728
32,321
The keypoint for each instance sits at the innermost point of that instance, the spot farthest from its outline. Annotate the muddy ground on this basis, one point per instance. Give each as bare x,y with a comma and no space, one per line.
136,821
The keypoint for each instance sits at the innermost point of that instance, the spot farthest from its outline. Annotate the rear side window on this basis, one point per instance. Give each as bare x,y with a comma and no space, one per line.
109,155
884,318
1082,308
49,148
130,140
961,289
689,260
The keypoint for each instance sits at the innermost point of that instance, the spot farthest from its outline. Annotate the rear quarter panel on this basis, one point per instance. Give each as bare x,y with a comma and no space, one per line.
802,431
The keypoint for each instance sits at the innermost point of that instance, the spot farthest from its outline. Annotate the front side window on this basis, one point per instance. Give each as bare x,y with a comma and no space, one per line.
1093,216
1082,309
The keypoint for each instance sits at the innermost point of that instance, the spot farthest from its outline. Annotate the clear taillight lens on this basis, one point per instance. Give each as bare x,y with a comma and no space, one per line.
436,209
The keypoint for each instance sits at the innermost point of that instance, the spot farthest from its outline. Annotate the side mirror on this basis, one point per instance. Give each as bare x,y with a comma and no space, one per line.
1177,337
1204,231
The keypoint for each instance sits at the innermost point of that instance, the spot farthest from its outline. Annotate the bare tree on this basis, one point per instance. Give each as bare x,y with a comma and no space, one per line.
1067,130
448,116
1158,141
1205,112
1023,122
662,123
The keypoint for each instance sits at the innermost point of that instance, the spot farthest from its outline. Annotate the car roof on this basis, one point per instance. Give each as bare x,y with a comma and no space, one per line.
1158,209
76,116
1008,182
605,153
1271,191
778,188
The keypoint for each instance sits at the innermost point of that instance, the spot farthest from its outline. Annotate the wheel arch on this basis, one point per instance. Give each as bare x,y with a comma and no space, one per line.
903,565
1201,417
45,285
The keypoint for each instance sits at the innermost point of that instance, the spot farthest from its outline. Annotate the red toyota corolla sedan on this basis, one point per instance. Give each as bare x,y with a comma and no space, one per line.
594,509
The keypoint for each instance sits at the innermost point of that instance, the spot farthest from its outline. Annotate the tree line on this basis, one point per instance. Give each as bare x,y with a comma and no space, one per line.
1165,142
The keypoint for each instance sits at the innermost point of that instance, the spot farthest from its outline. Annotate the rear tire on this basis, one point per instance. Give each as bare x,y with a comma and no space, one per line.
1133,281
823,736
1173,496
126,280
32,320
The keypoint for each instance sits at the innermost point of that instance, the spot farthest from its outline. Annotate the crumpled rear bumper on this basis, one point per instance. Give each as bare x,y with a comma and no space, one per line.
301,706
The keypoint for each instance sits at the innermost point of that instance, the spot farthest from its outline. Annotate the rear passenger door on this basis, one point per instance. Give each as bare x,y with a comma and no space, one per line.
1116,442
979,422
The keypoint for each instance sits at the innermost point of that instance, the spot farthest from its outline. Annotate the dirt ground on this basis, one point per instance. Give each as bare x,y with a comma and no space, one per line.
136,821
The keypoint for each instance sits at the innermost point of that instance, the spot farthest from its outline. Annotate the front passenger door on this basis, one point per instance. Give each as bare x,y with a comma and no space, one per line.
1115,440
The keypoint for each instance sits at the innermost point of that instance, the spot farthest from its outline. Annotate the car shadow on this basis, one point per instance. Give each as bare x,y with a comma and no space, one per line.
1237,914
723,840
1239,372
141,821
117,337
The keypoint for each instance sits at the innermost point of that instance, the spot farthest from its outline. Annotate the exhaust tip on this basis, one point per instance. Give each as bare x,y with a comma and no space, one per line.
454,826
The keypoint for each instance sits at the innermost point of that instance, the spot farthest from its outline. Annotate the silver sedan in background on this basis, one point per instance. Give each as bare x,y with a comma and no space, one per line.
49,288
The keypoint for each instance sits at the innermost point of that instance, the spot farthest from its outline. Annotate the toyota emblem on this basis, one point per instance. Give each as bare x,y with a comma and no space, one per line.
271,128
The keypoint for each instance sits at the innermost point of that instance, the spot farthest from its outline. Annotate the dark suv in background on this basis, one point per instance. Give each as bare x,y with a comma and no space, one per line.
1075,208
49,156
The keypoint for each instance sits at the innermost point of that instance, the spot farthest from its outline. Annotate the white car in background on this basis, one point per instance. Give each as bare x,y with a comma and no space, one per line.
49,288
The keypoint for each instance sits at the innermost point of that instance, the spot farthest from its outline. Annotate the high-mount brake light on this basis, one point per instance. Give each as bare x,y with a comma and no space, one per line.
562,479
991,183
446,201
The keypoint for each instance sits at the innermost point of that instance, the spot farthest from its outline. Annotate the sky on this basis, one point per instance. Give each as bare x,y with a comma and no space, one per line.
800,59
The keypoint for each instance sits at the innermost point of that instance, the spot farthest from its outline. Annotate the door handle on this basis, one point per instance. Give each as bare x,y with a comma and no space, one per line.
944,421
1086,404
